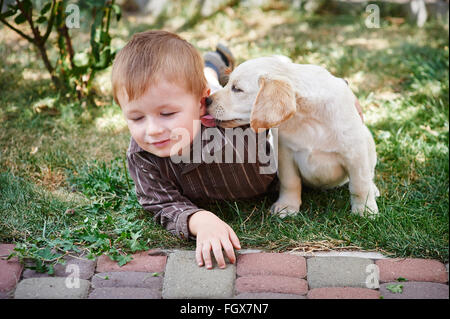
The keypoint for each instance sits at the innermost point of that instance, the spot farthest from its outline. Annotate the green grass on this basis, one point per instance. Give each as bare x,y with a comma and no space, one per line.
63,185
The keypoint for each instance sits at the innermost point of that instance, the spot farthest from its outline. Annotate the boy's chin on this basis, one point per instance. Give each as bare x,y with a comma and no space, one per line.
169,150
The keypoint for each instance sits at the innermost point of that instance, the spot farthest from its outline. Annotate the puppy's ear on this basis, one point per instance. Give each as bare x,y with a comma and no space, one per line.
274,104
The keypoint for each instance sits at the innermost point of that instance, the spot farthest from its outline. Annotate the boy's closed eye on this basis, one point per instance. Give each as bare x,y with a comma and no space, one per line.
162,114
168,114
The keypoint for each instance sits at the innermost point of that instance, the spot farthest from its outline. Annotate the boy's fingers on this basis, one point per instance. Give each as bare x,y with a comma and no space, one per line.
228,248
198,254
217,249
206,252
234,239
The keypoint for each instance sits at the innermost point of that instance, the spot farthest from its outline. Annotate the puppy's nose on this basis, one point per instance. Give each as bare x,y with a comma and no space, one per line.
208,101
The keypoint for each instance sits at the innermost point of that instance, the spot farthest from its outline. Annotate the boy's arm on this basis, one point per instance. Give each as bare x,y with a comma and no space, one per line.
173,211
161,196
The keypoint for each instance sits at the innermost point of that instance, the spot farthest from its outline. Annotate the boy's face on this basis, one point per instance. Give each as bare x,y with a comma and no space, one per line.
154,116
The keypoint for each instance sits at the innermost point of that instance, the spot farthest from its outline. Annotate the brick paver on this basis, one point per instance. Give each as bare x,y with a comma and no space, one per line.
83,267
412,269
51,288
184,279
257,275
415,290
343,293
271,264
446,267
124,293
127,279
10,271
267,295
142,261
337,272
6,295
277,284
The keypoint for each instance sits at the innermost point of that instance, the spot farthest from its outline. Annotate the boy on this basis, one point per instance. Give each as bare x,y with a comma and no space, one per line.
159,82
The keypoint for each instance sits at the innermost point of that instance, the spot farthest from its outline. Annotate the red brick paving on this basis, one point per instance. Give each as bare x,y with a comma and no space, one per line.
271,264
259,275
267,295
142,261
85,269
280,284
10,270
412,269
124,293
130,279
343,293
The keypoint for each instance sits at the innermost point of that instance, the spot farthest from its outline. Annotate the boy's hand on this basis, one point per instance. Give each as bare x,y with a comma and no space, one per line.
212,233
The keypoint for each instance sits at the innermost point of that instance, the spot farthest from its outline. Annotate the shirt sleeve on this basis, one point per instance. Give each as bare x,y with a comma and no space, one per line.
161,197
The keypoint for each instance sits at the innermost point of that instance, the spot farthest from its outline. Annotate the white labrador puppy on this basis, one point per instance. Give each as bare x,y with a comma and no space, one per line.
322,139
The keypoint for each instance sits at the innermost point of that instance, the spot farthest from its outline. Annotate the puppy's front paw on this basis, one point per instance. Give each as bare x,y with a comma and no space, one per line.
284,208
376,191
369,209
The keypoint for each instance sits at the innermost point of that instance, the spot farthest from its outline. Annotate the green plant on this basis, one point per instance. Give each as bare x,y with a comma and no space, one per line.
73,71
396,289
109,224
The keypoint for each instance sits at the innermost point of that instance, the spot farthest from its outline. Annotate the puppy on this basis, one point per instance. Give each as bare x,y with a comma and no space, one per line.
323,142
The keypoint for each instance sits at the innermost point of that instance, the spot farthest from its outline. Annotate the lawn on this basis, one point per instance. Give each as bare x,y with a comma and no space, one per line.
63,180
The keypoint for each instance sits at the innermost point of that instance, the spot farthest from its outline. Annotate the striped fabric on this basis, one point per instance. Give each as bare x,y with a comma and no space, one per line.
169,190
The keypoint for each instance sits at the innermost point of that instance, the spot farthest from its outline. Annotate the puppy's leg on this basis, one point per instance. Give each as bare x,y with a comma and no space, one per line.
289,200
362,189
372,160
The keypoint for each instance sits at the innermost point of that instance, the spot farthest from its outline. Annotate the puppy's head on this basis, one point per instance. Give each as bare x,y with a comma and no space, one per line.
256,93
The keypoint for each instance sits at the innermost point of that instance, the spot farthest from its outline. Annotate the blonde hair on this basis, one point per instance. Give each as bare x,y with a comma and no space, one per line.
154,55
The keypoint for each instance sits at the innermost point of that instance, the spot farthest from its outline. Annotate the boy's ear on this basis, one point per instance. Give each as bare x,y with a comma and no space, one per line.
205,94
274,104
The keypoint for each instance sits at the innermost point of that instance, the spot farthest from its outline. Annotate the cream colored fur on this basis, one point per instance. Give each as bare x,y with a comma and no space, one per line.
322,143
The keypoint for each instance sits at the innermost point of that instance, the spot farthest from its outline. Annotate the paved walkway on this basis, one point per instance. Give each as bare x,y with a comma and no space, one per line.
166,274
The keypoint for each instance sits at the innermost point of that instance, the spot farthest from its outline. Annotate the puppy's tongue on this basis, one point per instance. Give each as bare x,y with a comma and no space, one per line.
208,121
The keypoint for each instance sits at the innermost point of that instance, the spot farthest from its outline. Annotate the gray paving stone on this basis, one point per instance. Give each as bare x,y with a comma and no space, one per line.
132,279
249,251
124,293
267,295
416,290
358,254
83,266
337,272
51,288
184,279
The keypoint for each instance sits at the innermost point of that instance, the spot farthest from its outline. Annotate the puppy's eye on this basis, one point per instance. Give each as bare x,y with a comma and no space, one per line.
234,88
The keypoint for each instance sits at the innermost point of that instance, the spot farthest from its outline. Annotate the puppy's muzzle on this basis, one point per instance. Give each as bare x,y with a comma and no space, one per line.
208,101
218,113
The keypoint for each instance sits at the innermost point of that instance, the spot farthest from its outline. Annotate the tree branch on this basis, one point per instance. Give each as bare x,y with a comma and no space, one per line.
17,30
29,17
50,21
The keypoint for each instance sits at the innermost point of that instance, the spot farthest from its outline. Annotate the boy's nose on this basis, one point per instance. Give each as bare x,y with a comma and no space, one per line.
208,101
154,128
